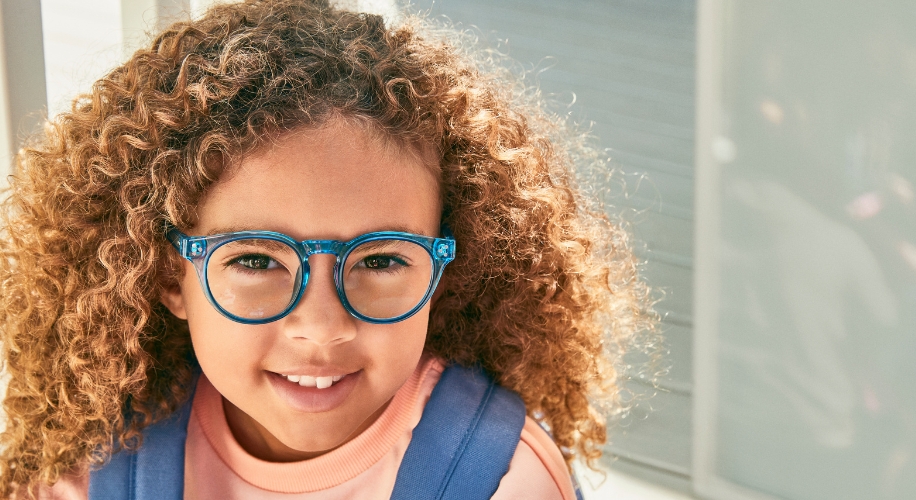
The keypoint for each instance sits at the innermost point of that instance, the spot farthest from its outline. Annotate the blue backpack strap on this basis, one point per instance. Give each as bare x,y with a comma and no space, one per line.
462,446
155,471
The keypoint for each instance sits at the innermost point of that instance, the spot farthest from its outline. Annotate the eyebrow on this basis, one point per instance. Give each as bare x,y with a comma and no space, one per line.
237,229
377,245
401,229
259,243
226,229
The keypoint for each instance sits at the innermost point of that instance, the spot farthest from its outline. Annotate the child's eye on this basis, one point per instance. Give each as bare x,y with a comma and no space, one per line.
379,262
255,261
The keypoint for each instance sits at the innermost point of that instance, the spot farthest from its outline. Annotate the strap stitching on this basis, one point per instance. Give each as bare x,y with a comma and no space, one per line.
465,441
132,481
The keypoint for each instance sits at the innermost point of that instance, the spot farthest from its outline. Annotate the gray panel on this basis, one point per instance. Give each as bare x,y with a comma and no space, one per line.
629,67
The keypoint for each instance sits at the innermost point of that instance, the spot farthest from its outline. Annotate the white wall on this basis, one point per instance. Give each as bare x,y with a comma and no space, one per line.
82,42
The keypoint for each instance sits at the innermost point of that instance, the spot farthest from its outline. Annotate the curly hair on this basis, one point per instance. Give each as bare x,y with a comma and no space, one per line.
544,293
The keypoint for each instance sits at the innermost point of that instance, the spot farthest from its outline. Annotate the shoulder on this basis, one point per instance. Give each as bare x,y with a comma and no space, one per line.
537,470
71,486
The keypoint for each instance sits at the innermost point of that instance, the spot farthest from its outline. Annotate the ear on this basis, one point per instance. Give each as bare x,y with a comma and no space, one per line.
172,298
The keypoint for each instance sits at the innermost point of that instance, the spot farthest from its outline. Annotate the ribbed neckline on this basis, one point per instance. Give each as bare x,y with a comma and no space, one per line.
326,471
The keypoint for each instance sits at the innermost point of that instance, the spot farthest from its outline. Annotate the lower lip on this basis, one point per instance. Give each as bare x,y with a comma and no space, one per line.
313,399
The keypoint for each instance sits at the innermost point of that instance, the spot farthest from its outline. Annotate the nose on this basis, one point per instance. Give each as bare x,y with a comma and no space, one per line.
319,317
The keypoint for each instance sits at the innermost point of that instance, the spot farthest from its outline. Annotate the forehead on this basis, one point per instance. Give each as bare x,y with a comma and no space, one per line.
335,182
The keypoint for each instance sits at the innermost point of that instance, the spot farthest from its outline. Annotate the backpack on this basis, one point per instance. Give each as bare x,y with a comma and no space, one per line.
460,450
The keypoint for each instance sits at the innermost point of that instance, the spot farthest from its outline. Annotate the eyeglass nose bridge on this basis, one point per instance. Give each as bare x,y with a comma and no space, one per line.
314,247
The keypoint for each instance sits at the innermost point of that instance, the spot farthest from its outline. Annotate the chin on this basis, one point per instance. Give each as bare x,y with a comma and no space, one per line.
316,442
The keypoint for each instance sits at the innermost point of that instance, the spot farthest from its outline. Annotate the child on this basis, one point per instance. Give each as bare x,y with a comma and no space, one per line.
231,251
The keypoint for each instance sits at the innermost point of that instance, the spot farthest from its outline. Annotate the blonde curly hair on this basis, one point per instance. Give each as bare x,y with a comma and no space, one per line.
544,293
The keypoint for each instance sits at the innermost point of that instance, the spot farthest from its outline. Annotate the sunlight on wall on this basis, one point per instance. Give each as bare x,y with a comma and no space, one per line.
82,42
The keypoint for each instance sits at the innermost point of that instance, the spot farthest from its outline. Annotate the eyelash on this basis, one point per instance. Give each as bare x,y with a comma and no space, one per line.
401,263
237,261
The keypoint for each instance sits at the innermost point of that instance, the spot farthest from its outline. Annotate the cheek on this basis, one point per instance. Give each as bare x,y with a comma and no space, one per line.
220,344
396,349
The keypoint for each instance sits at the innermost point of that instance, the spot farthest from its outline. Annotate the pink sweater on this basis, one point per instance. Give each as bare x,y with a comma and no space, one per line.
217,468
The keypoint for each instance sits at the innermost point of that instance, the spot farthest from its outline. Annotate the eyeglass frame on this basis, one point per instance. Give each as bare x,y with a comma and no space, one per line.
199,249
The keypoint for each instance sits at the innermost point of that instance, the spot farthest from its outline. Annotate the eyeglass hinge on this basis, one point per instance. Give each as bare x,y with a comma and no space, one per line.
193,248
445,248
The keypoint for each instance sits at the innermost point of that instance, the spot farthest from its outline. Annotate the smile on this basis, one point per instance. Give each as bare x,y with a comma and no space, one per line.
311,394
309,381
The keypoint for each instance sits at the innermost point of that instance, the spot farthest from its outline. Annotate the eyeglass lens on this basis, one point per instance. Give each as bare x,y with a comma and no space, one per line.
258,278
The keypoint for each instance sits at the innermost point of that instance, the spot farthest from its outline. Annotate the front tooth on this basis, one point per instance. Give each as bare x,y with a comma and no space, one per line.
307,381
324,382
293,378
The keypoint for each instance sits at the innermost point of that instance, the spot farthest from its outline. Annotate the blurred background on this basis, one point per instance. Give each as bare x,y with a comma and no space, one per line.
769,160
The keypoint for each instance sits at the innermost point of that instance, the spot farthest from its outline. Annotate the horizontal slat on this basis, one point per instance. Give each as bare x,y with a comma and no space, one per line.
666,193
668,365
677,319
679,340
675,282
670,258
648,39
620,205
620,137
656,432
642,77
649,163
637,114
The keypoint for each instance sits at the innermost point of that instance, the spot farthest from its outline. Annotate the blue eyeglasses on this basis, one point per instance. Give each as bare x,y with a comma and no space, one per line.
256,277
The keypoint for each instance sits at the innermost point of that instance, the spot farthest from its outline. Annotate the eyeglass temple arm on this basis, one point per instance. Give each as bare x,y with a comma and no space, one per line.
174,236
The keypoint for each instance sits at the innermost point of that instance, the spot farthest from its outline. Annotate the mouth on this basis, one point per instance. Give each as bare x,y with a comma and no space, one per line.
314,394
317,382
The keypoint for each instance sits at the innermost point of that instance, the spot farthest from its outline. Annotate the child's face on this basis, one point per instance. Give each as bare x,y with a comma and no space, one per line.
337,182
